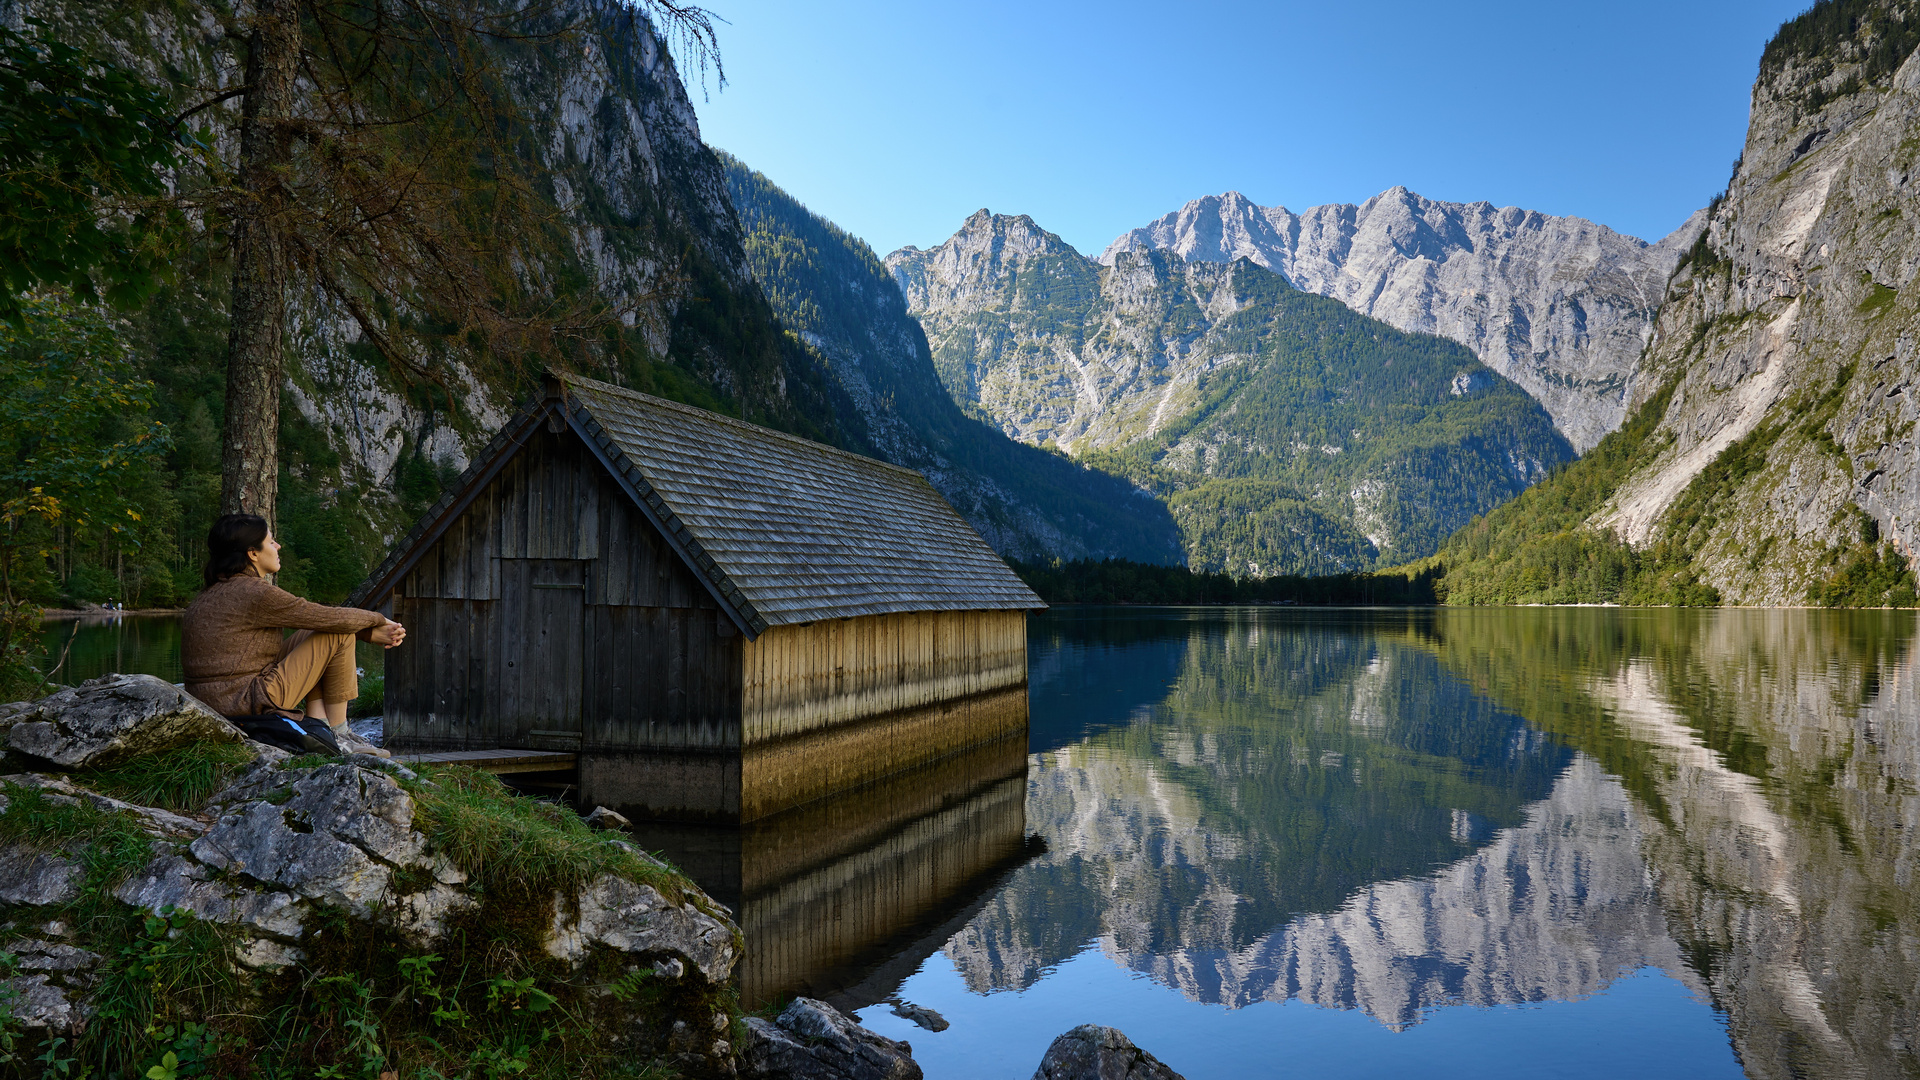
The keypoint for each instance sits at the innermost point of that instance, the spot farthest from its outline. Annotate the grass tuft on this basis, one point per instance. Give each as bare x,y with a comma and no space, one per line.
183,778
505,841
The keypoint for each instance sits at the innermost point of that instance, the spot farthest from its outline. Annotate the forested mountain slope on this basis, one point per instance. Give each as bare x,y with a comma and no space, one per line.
1288,433
1772,458
640,219
1560,305
640,210
830,289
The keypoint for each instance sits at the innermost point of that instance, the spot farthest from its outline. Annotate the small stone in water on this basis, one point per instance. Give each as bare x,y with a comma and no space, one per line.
919,1014
603,818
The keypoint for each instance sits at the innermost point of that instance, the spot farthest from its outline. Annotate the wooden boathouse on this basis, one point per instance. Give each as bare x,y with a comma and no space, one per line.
721,621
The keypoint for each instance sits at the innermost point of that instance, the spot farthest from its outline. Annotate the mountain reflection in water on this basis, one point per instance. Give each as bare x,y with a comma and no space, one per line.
1400,811
1395,812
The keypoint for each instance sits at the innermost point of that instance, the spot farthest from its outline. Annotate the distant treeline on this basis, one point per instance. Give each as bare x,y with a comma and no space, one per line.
1120,581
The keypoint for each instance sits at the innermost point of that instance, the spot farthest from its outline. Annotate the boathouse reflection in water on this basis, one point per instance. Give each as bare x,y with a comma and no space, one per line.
844,898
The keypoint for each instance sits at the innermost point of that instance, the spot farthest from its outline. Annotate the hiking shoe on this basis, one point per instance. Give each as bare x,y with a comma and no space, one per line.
354,744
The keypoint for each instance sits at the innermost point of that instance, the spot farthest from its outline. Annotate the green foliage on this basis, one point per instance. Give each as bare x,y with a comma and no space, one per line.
75,447
85,150
107,845
1538,549
183,778
1869,576
373,696
1119,581
1866,574
1262,528
1874,36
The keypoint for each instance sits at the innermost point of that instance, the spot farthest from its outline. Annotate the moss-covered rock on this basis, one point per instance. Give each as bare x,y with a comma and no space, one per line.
346,917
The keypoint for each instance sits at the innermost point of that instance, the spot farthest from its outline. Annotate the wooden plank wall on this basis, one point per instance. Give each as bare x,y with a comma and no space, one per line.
797,679
496,650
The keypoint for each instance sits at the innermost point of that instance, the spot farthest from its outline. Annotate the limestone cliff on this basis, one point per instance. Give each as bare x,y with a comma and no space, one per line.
1787,337
1288,433
1560,305
832,290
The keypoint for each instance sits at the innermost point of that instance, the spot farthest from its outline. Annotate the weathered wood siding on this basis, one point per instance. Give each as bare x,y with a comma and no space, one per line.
800,679
552,614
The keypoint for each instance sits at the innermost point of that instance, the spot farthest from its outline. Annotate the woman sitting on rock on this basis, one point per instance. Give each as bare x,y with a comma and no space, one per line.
231,646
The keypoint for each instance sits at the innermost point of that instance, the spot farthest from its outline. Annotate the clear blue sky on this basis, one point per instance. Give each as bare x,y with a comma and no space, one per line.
898,118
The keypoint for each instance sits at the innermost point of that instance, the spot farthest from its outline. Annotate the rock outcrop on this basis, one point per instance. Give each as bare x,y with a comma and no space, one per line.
110,719
1560,305
1092,1052
1784,354
811,1040
291,858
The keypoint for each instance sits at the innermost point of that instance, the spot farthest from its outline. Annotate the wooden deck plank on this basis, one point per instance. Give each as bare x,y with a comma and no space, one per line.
500,760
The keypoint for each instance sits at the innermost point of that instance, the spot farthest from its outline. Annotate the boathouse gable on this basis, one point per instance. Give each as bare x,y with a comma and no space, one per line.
550,614
722,620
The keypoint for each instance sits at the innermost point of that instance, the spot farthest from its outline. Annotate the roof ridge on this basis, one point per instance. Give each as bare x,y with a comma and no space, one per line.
757,429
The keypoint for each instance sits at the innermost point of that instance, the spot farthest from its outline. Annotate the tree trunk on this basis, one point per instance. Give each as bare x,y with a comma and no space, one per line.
256,360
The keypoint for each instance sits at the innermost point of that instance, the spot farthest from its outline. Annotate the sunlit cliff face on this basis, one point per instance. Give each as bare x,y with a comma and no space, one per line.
1496,808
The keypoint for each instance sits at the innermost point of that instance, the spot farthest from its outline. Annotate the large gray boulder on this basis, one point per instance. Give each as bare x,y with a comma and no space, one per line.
1092,1052
112,718
283,853
811,1040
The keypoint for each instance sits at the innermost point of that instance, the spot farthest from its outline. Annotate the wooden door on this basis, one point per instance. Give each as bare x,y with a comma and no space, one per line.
545,663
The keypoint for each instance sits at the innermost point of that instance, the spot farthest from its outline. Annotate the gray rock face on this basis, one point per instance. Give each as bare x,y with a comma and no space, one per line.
112,718
49,982
813,1041
1796,327
1560,305
634,918
1092,1052
292,846
37,877
62,792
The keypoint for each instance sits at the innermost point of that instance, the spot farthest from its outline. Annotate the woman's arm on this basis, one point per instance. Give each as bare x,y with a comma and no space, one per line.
281,608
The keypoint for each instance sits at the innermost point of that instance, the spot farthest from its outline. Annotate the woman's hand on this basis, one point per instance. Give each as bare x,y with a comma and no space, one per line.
387,634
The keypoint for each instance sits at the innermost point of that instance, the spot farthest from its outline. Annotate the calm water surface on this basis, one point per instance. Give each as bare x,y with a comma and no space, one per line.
75,649
1485,843
1569,843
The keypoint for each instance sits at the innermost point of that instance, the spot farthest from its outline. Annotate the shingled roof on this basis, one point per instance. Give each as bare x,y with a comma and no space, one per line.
783,530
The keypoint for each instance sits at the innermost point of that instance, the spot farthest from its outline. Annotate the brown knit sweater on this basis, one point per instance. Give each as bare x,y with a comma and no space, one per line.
230,639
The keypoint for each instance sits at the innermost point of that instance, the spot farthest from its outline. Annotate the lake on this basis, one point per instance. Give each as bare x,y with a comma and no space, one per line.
1372,843
78,648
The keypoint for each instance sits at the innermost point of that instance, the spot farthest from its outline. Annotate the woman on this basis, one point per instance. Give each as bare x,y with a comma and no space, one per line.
231,646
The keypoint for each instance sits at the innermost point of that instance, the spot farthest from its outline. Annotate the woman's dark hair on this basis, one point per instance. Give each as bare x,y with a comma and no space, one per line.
232,536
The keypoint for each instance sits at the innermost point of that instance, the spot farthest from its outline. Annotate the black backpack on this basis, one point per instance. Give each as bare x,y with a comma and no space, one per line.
299,735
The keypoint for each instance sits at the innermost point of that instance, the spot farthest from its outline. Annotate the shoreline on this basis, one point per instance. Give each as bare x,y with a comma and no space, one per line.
105,613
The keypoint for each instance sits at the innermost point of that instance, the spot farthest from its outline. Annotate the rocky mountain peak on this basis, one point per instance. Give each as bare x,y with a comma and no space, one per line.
1561,305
